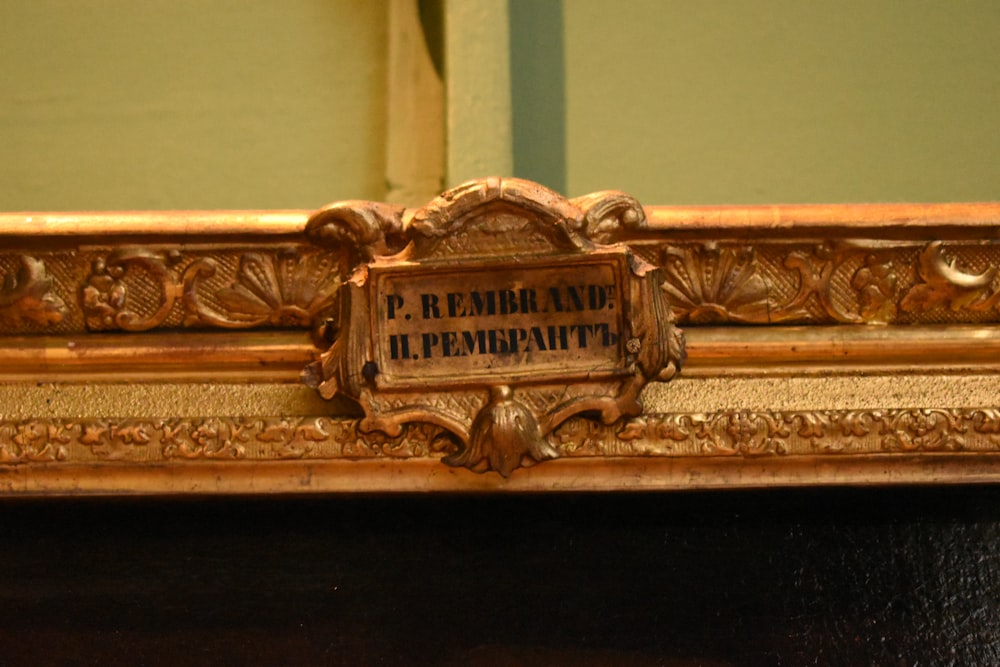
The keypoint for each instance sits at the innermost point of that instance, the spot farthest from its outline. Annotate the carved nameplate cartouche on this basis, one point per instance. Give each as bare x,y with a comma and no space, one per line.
496,312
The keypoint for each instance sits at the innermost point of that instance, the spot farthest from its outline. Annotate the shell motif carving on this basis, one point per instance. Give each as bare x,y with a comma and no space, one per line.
709,285
282,290
138,290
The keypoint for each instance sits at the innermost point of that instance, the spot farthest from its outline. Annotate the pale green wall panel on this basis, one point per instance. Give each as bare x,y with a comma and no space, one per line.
538,97
784,100
477,75
110,104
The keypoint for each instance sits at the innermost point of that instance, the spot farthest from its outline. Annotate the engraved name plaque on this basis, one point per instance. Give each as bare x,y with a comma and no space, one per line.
503,324
496,312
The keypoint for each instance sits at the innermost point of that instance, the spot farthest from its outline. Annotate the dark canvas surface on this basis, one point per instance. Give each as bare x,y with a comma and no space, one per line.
895,576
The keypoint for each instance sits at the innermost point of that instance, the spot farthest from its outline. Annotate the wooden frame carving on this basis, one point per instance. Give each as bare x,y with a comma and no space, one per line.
597,289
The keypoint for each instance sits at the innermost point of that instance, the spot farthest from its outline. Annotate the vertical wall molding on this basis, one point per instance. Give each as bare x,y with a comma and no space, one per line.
477,74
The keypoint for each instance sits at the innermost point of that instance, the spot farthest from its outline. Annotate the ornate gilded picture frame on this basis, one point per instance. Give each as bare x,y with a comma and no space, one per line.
499,338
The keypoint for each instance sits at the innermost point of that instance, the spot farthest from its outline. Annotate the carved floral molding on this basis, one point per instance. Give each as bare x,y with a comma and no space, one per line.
766,281
144,288
732,433
834,282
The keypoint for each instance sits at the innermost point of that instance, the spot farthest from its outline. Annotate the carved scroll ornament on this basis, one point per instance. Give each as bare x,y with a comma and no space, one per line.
26,296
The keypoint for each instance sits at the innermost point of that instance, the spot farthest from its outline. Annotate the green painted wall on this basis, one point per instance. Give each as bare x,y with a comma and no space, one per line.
537,65
113,104
478,90
744,101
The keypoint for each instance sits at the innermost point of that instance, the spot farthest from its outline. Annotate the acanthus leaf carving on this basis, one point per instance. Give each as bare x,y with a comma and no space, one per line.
726,433
716,283
296,438
33,441
26,296
365,228
138,289
418,439
114,440
209,438
751,433
857,423
986,420
924,430
111,301
747,432
877,286
794,281
815,270
946,284
505,436
812,426
610,216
